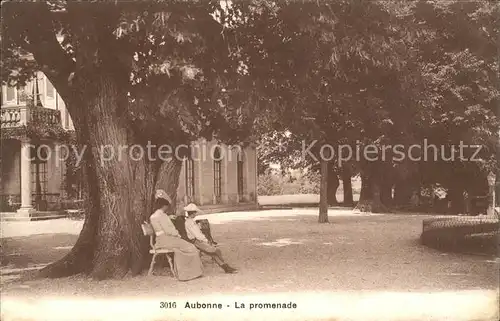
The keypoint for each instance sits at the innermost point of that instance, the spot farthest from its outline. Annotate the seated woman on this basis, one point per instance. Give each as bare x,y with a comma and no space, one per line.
199,240
187,263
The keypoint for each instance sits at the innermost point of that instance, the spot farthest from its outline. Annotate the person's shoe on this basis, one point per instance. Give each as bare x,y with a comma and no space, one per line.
229,269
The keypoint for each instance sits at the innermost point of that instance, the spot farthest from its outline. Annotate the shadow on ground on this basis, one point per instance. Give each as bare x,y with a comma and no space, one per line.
358,267
283,253
39,249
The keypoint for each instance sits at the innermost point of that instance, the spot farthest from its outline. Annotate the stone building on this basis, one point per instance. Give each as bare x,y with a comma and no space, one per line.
219,177
31,176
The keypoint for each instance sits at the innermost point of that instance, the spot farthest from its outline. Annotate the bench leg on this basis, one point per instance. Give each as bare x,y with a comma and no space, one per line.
171,265
150,272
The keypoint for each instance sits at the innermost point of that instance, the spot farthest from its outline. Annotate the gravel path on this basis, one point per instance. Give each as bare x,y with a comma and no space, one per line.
358,267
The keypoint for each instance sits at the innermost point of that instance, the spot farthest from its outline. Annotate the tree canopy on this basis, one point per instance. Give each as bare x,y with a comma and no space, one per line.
389,73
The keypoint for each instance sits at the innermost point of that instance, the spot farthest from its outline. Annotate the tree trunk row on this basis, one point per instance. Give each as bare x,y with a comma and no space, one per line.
370,199
323,192
328,189
347,185
333,185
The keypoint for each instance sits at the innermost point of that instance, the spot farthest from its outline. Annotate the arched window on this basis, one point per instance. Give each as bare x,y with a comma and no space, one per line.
217,174
189,178
239,174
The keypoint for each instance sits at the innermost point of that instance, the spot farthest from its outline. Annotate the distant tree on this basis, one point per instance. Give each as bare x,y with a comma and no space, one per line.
344,60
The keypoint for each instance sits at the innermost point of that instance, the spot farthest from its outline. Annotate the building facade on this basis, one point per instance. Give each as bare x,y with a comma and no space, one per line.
219,177
33,173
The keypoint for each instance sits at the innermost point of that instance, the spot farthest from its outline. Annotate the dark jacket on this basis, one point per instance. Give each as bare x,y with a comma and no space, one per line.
180,225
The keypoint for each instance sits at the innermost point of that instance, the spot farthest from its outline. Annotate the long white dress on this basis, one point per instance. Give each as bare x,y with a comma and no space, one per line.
187,262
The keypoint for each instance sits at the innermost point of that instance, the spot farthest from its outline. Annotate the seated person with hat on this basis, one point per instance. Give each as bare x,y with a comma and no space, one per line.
187,263
199,240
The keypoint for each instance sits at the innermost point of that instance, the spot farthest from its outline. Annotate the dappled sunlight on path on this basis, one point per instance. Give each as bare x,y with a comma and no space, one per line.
281,242
287,214
59,226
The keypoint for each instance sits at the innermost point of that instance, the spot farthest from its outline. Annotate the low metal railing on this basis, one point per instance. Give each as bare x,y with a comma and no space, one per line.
41,202
10,202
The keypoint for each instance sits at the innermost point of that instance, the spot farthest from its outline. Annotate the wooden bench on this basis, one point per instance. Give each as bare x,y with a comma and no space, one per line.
148,230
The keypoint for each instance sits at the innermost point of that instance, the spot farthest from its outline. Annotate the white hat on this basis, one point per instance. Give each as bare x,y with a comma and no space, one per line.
162,194
191,207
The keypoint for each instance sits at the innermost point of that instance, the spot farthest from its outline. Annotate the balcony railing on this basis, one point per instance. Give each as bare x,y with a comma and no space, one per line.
16,116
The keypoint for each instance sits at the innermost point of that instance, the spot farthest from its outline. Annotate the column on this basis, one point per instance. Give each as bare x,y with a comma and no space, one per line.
26,205
183,177
256,174
246,177
198,162
225,180
237,159
491,195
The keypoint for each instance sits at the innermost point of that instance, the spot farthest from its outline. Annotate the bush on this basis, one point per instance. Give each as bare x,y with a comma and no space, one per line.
274,183
309,183
269,183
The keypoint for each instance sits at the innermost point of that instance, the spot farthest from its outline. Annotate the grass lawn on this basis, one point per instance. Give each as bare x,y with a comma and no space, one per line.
358,267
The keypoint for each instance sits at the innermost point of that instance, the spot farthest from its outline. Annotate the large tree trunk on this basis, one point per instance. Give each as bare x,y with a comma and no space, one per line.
366,189
168,179
370,200
455,195
386,194
323,193
118,237
333,185
119,193
403,190
119,190
497,188
347,185
79,259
